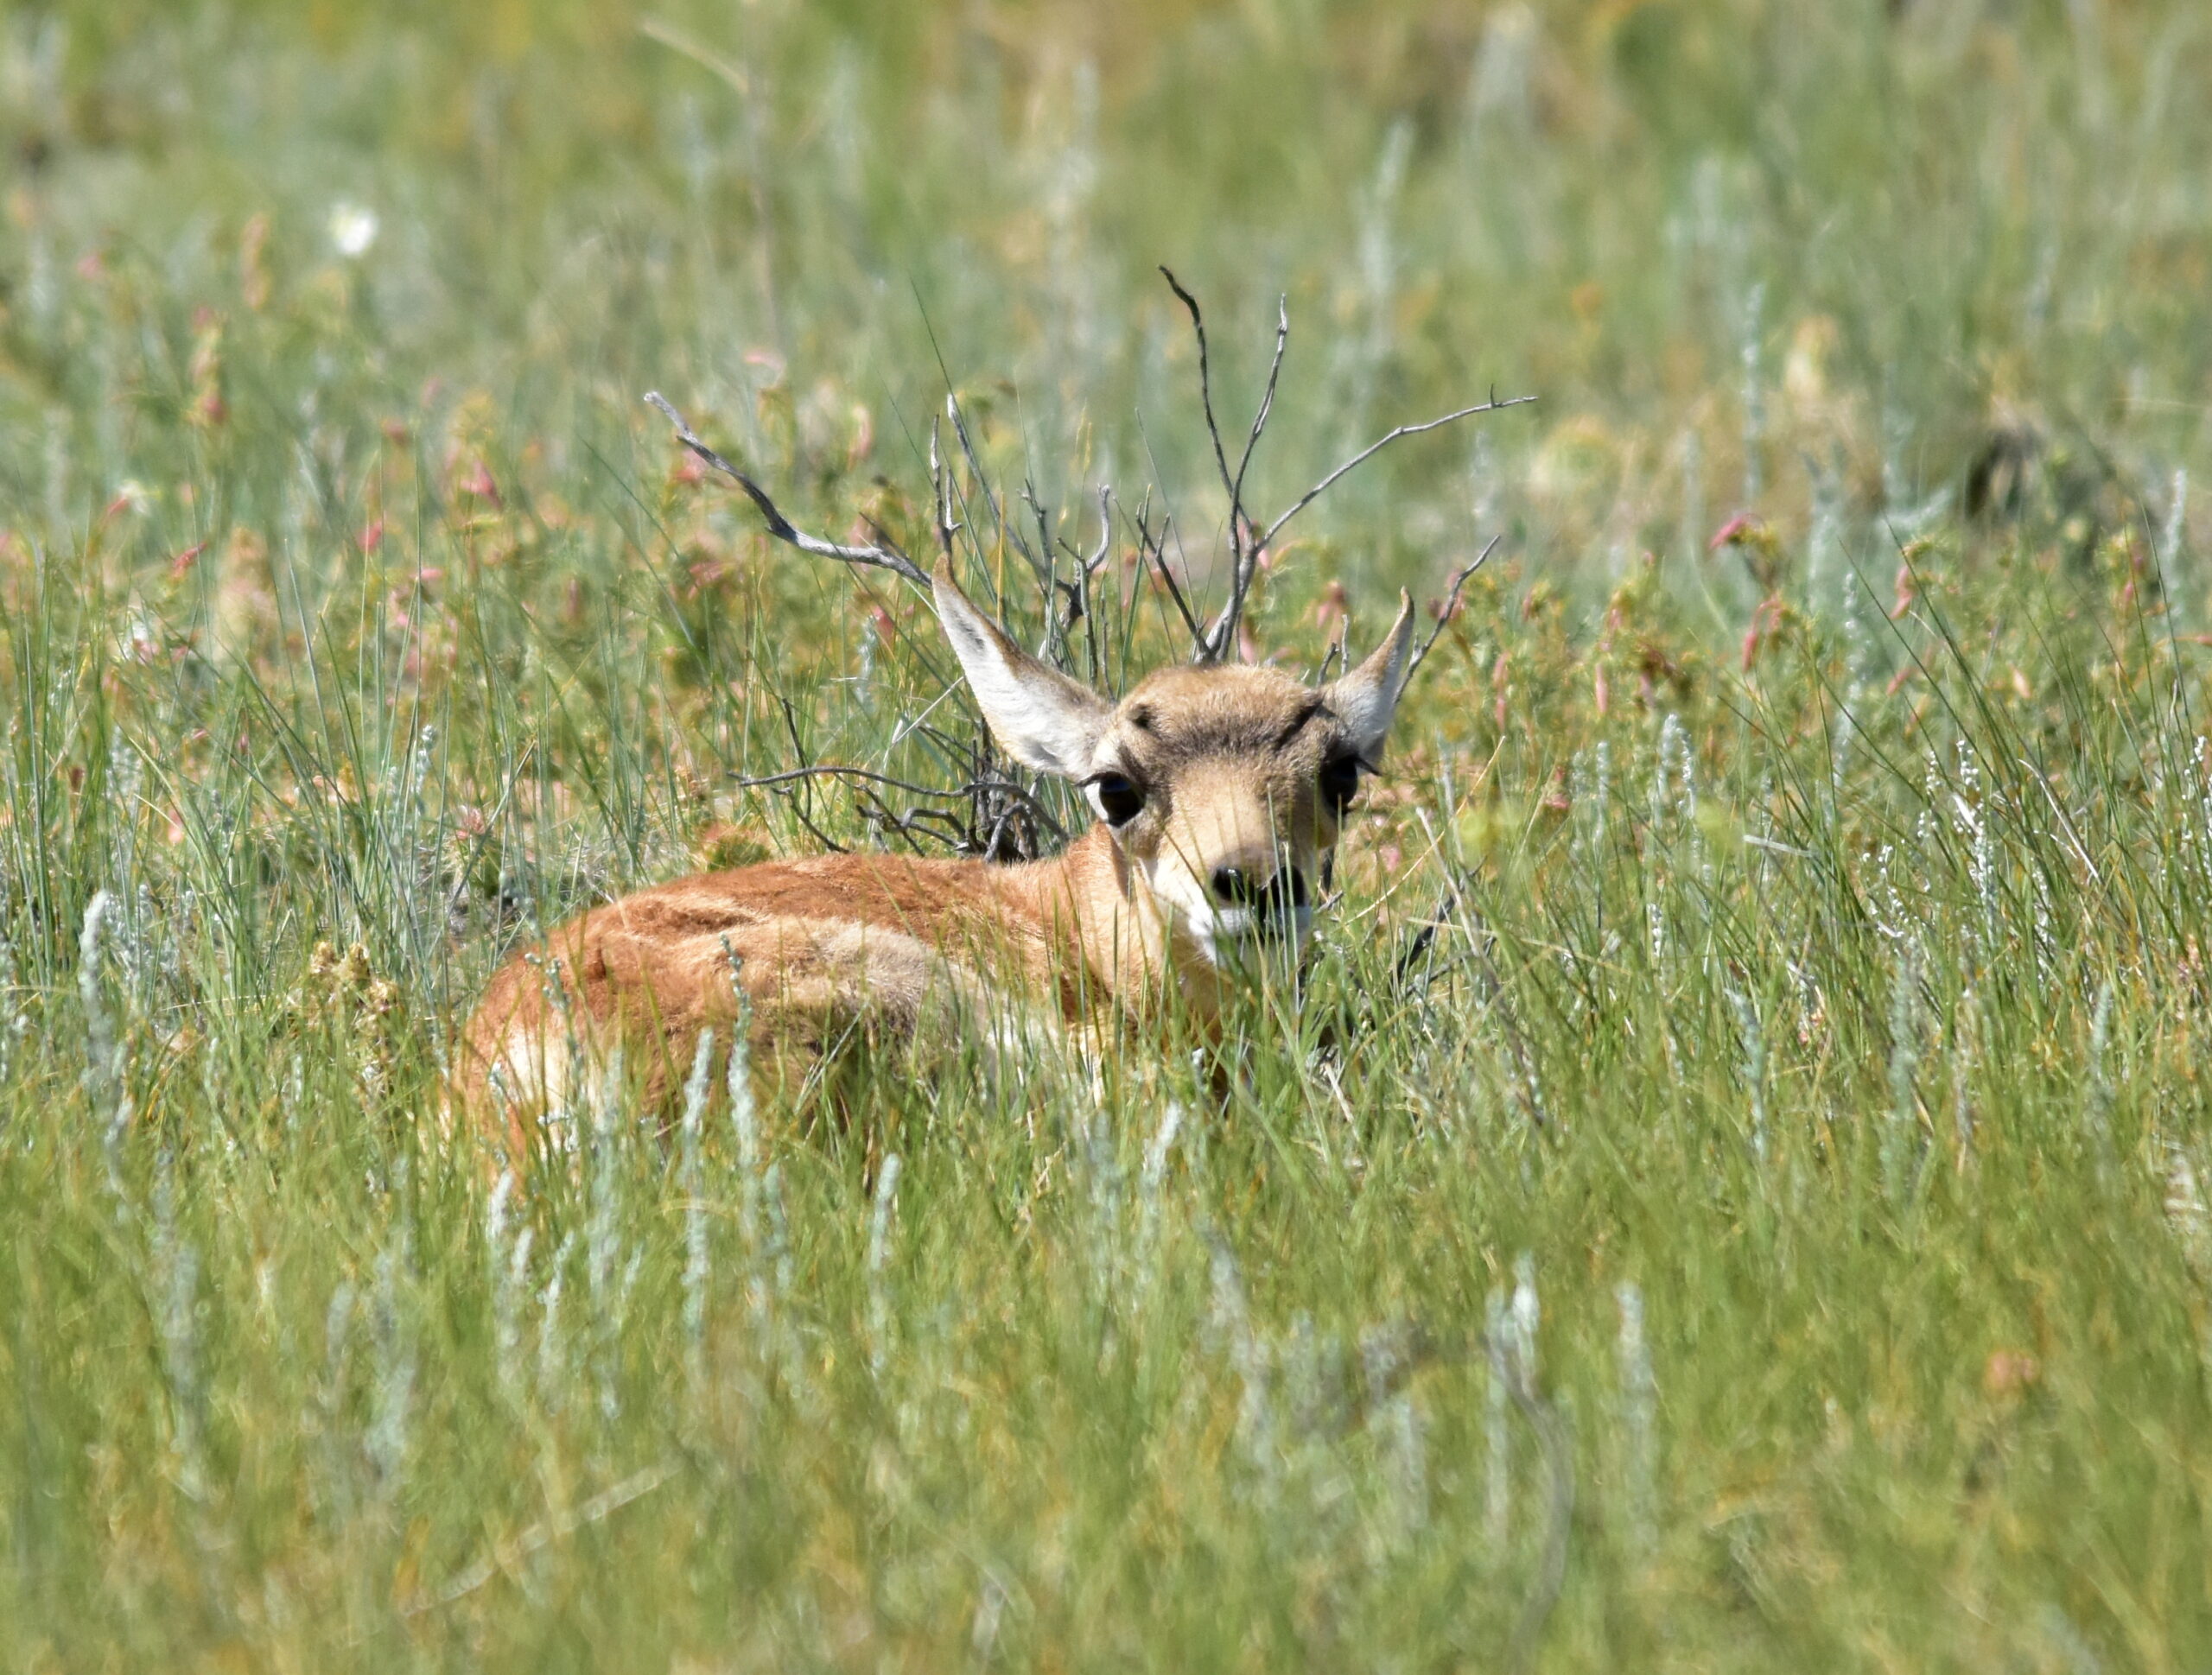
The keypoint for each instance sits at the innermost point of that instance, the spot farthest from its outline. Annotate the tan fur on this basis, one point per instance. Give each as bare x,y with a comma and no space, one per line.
1124,924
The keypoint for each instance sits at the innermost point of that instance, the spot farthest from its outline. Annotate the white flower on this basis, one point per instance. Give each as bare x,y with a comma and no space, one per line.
352,229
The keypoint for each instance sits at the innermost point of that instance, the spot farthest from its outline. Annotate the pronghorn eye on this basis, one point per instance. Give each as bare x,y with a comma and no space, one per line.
1340,782
1118,798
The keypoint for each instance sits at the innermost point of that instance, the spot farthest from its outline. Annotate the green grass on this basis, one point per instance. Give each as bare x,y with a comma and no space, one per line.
1799,1083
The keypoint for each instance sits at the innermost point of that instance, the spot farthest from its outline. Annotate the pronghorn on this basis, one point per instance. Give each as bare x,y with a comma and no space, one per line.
1220,791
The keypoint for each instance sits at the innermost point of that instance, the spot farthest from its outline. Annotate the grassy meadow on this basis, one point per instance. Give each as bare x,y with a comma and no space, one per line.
1734,1188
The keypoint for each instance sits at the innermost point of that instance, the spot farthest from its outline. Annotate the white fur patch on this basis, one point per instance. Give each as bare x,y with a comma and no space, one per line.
536,1074
1217,932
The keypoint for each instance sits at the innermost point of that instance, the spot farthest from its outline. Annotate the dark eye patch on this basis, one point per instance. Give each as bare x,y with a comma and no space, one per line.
1118,798
1340,782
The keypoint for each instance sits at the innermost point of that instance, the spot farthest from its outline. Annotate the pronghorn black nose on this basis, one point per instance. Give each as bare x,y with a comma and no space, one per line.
1284,890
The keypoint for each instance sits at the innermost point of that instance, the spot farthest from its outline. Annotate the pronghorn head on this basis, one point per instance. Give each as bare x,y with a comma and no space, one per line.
1225,786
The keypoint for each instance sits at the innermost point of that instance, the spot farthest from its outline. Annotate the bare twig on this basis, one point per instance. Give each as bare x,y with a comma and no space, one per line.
1424,938
883,556
1078,592
1267,399
875,810
1205,394
1492,405
806,819
791,726
1007,789
792,800
1245,545
1105,531
1044,524
1154,546
941,498
1047,566
1451,604
1087,575
1211,644
1248,545
984,485
832,771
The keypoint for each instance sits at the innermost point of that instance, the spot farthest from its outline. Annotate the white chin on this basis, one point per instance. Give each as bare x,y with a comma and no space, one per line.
1240,937
1231,935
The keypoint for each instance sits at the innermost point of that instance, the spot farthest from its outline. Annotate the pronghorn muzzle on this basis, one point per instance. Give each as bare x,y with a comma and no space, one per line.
1273,903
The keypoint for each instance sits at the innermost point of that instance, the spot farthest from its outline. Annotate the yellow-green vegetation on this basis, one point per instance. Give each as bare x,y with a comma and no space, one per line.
1740,1157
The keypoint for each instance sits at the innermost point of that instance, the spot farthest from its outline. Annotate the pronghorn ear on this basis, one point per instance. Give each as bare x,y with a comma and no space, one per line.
1041,718
1367,697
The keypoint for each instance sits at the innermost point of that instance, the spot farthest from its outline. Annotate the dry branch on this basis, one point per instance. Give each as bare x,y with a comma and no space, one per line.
1493,405
1267,398
1248,545
1451,604
994,800
1205,392
1213,643
985,785
883,556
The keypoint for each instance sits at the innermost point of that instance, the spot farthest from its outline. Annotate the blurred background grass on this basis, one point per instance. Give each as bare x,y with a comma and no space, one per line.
1792,946
1749,255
